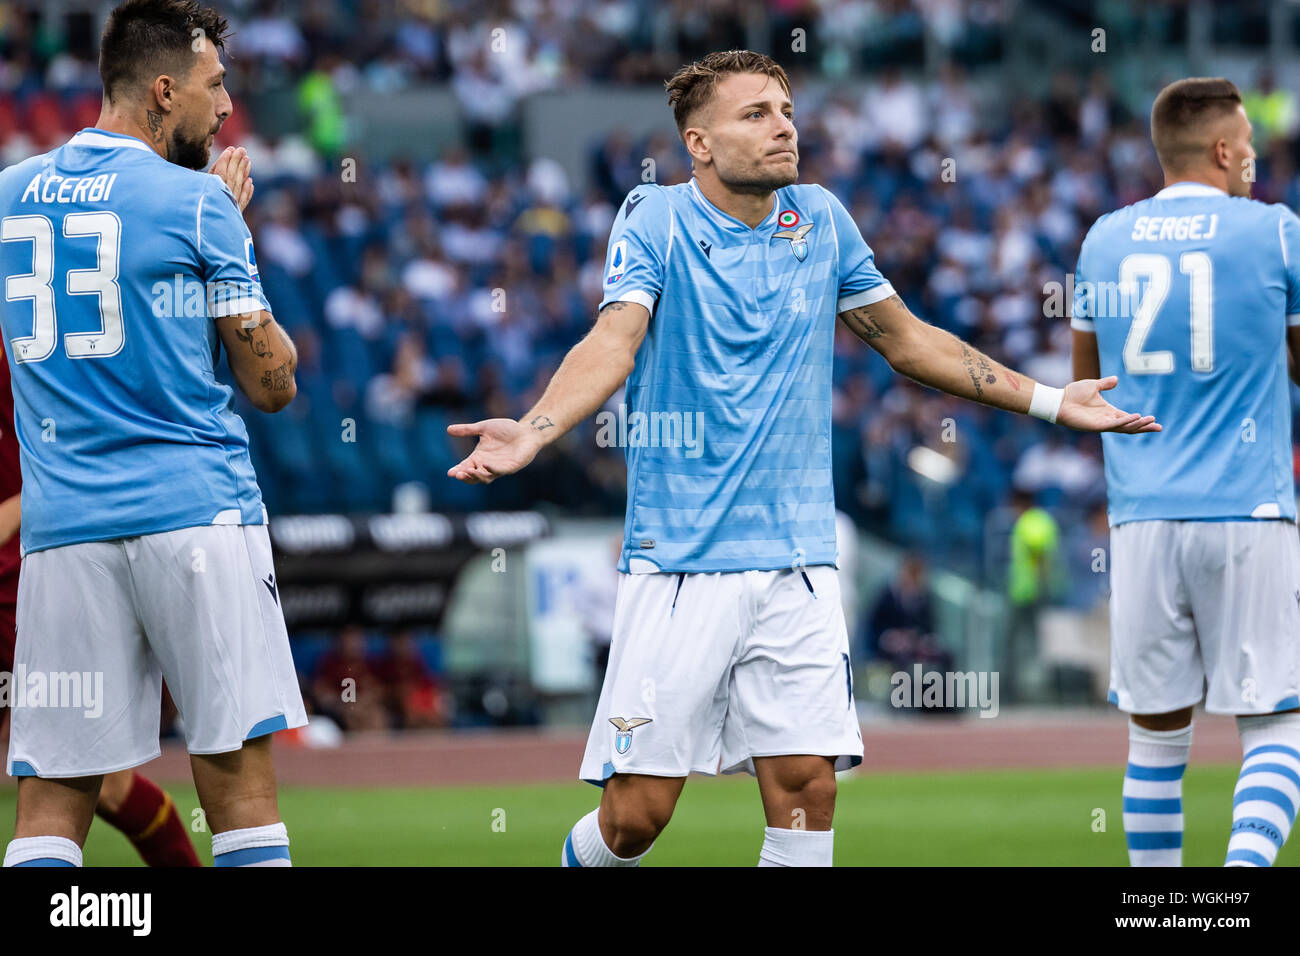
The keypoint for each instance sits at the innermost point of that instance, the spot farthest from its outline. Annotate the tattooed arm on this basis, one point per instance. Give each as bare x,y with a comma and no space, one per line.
936,358
262,358
939,359
591,372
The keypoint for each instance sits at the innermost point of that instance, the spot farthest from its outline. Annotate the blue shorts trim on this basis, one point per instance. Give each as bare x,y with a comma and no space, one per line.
268,726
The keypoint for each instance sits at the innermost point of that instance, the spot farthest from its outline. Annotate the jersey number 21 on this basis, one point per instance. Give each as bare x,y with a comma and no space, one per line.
1157,271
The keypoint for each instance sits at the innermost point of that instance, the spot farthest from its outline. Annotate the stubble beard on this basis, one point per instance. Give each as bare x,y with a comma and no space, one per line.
756,181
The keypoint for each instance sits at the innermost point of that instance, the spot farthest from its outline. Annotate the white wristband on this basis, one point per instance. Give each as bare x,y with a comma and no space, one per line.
1046,402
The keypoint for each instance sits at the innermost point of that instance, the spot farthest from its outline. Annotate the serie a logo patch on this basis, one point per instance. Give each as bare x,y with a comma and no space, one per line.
617,261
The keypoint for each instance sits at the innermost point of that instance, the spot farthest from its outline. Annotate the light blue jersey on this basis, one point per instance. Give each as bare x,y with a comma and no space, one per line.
1190,294
727,419
115,263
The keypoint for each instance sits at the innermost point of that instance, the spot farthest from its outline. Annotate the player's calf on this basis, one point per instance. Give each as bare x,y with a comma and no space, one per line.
798,794
146,815
53,818
237,792
1268,789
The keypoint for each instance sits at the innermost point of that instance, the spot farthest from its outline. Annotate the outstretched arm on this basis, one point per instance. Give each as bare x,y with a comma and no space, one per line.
591,372
933,357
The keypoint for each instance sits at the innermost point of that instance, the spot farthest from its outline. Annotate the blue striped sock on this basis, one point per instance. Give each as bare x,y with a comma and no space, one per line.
254,846
1153,795
1268,789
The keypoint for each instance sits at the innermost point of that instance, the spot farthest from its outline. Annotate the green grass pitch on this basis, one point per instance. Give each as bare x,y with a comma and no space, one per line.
984,818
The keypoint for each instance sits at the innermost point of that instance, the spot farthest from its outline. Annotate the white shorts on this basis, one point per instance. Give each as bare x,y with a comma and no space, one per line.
105,622
707,671
1205,609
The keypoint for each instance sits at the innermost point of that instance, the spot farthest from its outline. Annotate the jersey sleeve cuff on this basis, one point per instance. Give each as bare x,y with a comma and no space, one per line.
1293,319
221,308
870,297
1082,324
639,296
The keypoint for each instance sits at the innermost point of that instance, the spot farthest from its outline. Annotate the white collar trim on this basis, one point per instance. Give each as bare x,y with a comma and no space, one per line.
90,137
1179,190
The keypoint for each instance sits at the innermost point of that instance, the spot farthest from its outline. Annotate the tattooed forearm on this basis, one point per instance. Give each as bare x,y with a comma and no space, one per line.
278,379
257,338
968,362
863,324
541,423
983,371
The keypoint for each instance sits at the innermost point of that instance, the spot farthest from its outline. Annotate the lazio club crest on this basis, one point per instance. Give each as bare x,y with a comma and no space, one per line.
623,739
797,236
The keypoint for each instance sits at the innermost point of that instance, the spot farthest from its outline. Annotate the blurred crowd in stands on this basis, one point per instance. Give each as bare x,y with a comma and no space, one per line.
426,295
421,295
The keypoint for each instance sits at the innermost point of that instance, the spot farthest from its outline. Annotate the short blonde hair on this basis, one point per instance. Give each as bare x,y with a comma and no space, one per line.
692,86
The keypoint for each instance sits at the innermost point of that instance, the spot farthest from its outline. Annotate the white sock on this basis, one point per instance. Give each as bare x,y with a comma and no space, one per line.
1268,790
584,846
1153,795
797,847
253,846
42,851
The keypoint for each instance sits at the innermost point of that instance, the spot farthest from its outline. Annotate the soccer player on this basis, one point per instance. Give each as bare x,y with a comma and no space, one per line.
1192,299
129,801
729,646
145,551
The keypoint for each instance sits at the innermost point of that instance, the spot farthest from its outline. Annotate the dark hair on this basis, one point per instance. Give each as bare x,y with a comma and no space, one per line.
146,38
692,86
1182,112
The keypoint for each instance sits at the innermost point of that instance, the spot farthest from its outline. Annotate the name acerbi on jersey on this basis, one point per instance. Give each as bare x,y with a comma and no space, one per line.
1162,228
69,189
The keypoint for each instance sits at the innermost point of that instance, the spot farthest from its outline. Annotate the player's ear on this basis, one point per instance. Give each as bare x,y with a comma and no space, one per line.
696,144
164,92
1222,154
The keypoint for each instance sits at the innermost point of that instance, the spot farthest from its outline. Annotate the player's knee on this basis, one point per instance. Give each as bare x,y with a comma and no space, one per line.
629,830
815,795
